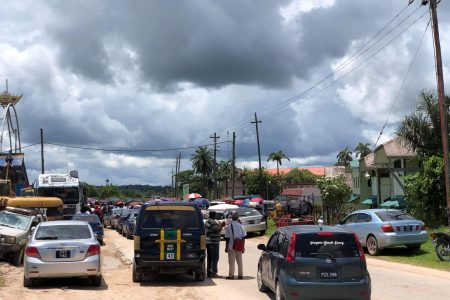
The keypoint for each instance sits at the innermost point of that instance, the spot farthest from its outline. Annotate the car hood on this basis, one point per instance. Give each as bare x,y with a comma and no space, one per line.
10,231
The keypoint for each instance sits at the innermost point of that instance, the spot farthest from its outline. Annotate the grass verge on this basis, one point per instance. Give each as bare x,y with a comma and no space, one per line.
424,257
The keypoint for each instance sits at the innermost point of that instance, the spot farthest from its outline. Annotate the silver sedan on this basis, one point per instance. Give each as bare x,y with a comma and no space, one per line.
62,249
384,228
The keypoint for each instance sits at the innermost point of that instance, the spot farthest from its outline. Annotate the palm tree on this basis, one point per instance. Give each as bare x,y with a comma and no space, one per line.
202,163
278,157
224,173
344,157
243,173
420,131
362,150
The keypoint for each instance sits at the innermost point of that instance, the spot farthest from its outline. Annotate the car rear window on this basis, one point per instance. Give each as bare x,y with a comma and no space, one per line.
87,218
170,219
63,232
338,245
393,215
248,212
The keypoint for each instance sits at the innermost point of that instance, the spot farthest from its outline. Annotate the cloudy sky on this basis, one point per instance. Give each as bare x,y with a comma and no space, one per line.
321,75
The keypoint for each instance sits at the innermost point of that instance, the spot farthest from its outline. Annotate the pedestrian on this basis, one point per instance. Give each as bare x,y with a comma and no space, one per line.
234,237
213,230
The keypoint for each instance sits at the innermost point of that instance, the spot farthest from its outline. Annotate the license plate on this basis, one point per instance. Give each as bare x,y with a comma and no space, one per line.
328,275
251,222
407,228
170,252
63,254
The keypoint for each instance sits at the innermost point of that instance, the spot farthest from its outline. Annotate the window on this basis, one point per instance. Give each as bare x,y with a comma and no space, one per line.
284,243
337,244
363,217
351,219
397,163
272,245
63,232
170,219
393,215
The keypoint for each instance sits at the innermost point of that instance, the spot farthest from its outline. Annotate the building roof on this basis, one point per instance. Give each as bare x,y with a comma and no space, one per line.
319,171
394,148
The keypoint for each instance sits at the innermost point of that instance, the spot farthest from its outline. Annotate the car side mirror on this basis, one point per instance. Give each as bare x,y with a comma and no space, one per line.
262,247
33,229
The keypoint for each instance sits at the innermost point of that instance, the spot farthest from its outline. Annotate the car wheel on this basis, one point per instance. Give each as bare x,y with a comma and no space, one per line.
28,282
372,246
413,247
17,258
137,277
262,233
128,235
123,231
200,276
100,241
278,292
96,280
261,286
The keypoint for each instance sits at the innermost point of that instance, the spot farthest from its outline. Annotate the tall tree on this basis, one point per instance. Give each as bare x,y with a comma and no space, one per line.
278,157
420,131
202,163
362,150
224,173
344,157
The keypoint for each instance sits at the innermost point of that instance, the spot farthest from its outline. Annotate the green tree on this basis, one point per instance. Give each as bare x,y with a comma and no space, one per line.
335,194
297,176
202,163
278,157
344,157
362,150
420,131
426,192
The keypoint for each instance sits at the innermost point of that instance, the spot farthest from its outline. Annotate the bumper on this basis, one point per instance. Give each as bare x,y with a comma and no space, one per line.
169,267
327,290
256,227
36,268
393,239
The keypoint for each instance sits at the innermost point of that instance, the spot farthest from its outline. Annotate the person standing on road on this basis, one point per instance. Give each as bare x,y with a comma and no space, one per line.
235,231
213,230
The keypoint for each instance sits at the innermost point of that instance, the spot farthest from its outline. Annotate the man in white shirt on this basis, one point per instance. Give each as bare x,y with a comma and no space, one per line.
234,231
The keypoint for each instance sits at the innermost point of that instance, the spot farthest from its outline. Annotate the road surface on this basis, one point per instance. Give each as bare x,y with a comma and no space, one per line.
389,280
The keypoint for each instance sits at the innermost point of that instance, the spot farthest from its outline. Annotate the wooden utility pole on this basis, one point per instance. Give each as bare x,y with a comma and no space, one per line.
176,178
443,109
172,191
216,188
259,152
233,167
42,151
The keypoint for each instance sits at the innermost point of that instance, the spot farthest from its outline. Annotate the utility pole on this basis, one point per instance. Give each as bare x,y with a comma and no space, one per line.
233,167
443,109
176,178
179,165
172,191
259,152
42,151
216,188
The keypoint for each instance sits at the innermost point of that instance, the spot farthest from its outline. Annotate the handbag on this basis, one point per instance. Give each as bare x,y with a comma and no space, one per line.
238,244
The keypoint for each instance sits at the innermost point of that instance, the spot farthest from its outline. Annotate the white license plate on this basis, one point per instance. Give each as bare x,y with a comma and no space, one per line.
328,275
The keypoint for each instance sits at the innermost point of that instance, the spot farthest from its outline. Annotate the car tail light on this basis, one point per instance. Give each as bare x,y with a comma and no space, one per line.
362,256
387,228
325,233
291,248
93,250
32,252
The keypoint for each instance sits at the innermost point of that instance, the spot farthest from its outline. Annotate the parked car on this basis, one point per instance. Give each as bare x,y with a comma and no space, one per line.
252,220
313,262
117,212
383,228
129,223
169,238
123,216
108,217
60,249
94,222
15,228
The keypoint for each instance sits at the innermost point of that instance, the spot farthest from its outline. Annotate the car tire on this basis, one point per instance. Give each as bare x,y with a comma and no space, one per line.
372,246
29,282
200,276
17,258
262,287
137,276
128,235
413,247
123,231
262,233
100,241
279,291
96,281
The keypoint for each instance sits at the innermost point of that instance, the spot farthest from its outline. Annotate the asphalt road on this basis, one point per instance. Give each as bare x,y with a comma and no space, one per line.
389,280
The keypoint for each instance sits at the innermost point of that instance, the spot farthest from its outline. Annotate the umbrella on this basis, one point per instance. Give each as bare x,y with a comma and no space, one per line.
257,199
192,196
238,201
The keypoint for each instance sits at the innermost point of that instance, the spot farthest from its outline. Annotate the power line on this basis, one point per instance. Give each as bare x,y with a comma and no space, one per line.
401,87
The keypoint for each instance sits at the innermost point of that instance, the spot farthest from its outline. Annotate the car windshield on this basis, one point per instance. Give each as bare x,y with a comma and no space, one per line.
87,218
14,220
393,215
63,232
170,219
334,245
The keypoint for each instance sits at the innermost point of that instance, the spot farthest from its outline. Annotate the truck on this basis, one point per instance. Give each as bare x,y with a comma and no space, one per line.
66,187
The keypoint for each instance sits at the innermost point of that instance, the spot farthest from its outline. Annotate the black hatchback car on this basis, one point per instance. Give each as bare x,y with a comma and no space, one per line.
169,237
313,262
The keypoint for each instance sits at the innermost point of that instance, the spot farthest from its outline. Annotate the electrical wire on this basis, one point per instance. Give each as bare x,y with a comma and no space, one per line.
402,85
